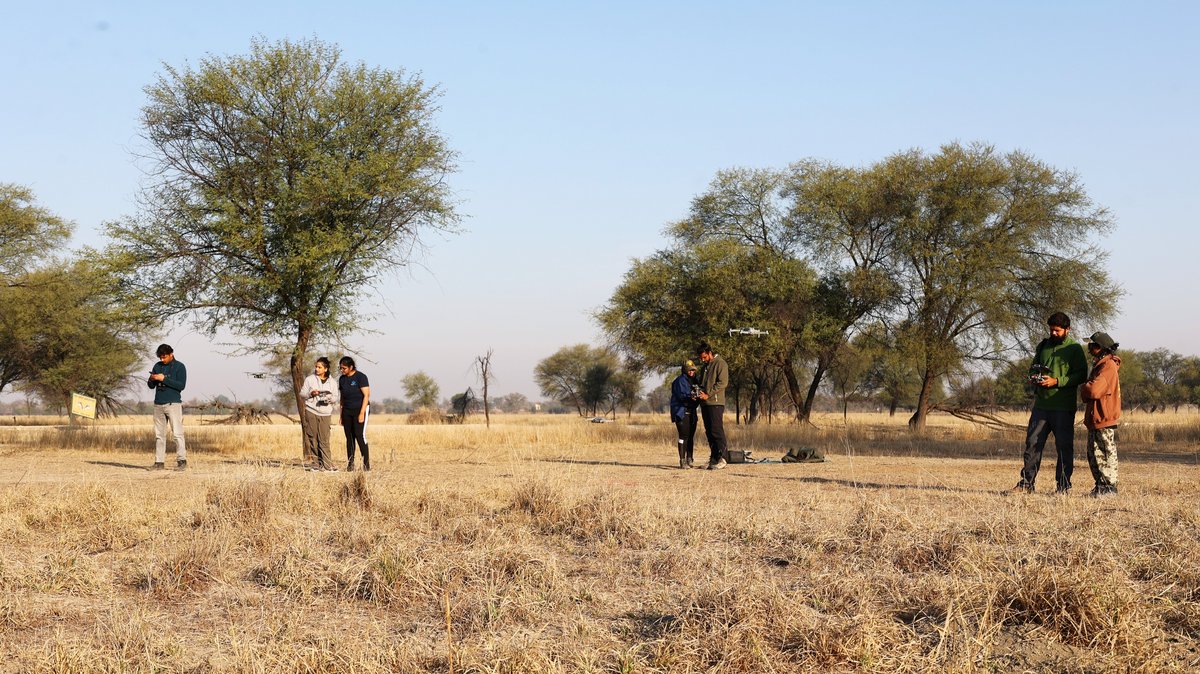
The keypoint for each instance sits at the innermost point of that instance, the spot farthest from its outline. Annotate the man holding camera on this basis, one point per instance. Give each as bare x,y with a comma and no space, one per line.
168,378
1059,367
714,377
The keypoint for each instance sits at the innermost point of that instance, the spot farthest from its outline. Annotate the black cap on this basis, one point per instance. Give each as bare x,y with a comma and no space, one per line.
1102,340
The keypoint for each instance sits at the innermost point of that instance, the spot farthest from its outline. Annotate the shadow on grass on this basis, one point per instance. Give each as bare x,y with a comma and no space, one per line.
116,464
1190,456
590,462
860,484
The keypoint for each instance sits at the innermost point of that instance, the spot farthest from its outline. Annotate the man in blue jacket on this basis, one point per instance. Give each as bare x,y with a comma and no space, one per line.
168,378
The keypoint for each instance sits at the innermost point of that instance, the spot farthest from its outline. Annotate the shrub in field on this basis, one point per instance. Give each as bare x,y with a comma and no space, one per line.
426,416
189,568
354,492
596,516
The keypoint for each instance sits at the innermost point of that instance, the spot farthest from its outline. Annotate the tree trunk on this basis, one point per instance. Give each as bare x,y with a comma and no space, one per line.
793,387
917,421
818,374
299,372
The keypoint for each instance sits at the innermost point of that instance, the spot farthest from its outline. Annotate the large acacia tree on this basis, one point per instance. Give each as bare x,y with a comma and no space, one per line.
64,325
285,182
67,329
991,245
959,255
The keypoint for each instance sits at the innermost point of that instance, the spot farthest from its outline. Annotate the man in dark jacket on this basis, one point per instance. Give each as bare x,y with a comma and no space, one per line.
714,377
168,378
1059,367
684,401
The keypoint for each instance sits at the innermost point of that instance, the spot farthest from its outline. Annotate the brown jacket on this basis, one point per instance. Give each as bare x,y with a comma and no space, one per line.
1101,394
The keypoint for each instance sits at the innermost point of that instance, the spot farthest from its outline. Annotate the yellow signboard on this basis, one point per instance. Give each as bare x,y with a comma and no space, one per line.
83,406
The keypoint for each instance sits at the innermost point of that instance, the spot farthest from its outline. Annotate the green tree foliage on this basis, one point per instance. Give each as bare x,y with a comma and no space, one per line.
1164,370
891,375
64,326
1190,380
847,374
421,389
1156,380
585,378
624,391
65,329
774,214
1012,385
286,182
670,302
991,245
28,233
962,253
513,403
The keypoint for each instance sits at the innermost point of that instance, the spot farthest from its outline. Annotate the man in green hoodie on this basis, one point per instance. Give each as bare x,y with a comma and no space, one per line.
1059,367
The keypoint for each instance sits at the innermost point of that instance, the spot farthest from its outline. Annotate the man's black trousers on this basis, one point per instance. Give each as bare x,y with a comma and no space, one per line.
1041,424
714,430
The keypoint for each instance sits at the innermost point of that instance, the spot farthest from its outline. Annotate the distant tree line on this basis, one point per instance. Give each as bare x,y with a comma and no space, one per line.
1151,381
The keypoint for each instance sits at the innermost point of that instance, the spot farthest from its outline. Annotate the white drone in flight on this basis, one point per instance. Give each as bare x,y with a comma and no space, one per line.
753,332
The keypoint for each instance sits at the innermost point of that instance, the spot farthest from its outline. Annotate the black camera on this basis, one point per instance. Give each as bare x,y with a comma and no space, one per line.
696,390
1038,373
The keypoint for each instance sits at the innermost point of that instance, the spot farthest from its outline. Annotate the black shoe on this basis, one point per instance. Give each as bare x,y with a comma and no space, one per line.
158,465
181,464
1022,487
350,466
1103,492
1060,490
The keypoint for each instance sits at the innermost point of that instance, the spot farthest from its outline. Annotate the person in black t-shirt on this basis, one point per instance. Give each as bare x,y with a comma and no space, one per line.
355,392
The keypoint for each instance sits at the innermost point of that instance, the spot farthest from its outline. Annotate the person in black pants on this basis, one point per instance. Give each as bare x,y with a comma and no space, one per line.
684,400
355,392
714,376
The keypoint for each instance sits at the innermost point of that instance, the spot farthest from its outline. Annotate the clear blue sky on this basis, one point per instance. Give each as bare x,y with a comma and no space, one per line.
584,128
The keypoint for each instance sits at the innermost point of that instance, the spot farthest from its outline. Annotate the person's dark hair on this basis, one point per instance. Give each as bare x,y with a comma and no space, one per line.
1059,320
324,361
704,347
163,349
348,362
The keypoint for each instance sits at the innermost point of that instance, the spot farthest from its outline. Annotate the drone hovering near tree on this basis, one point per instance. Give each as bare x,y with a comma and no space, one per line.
258,375
753,332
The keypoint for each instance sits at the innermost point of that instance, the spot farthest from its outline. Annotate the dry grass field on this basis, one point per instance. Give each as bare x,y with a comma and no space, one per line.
548,544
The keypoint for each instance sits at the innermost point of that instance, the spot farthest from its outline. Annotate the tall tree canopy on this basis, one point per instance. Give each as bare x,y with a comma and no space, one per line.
67,329
285,182
29,233
990,245
64,326
958,255
421,389
585,378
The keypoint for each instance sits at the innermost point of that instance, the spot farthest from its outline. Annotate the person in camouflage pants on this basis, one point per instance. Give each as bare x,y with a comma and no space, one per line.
1101,395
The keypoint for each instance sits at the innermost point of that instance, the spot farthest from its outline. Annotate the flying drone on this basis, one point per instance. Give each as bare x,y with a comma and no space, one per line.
753,332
